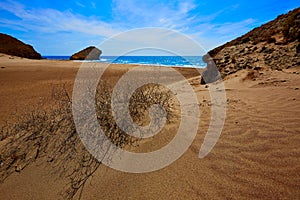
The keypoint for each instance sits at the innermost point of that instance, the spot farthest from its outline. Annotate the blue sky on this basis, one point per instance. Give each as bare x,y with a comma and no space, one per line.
63,27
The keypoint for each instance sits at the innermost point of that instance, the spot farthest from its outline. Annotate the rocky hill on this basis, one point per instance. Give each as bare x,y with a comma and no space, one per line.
274,45
89,53
12,46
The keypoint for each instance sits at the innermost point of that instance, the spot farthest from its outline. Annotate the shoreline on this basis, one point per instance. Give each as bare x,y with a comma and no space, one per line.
131,62
33,80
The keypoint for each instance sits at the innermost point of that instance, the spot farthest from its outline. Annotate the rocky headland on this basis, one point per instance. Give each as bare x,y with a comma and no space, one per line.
274,45
12,46
89,53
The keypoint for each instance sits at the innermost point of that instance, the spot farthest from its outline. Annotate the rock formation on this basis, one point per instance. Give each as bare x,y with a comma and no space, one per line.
12,46
89,53
273,45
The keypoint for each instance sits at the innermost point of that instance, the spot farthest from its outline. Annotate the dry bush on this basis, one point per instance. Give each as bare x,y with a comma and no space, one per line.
148,95
51,135
106,119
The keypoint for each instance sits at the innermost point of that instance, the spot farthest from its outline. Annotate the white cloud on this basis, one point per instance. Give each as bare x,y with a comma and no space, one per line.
139,14
230,28
177,15
213,34
159,39
79,4
51,20
93,4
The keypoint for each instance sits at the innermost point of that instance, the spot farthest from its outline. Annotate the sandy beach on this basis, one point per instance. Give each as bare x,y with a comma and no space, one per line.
256,157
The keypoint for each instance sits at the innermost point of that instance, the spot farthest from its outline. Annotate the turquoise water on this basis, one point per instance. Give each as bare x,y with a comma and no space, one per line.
187,61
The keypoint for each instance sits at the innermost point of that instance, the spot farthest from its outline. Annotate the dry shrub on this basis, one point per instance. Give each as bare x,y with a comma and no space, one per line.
51,135
148,95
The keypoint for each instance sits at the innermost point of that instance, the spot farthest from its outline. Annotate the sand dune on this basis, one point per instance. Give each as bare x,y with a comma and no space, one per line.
256,157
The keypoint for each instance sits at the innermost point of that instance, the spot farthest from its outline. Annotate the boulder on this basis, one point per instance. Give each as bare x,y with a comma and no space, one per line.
12,46
89,53
211,74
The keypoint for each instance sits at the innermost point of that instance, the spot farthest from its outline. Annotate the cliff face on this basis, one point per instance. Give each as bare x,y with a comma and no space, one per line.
89,53
273,45
12,46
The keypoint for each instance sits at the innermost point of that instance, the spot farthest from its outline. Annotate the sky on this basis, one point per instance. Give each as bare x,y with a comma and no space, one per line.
59,27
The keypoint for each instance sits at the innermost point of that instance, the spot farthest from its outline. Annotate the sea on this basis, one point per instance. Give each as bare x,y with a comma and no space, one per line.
186,61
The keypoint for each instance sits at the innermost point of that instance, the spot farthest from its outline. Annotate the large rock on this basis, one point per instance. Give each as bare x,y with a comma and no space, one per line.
89,53
211,74
12,46
274,45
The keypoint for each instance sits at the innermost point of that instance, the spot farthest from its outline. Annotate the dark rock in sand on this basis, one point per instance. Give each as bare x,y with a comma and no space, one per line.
12,46
211,74
89,53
